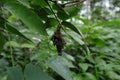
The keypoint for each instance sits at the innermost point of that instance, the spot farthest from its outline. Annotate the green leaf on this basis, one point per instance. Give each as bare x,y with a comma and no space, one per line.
42,3
72,10
77,77
85,21
89,76
9,27
63,15
51,22
97,40
2,21
25,2
2,41
67,12
3,78
48,11
15,73
3,64
71,26
112,75
31,19
13,44
84,66
76,37
58,7
61,67
25,45
106,23
15,31
4,1
69,57
43,13
33,72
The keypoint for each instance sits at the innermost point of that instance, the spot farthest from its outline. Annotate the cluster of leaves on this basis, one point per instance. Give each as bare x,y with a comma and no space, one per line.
27,53
27,27
102,63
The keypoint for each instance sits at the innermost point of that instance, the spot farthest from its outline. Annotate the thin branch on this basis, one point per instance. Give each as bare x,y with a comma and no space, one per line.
55,15
53,12
71,3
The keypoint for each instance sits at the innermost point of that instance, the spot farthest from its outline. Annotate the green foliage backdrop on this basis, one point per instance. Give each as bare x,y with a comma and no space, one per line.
59,40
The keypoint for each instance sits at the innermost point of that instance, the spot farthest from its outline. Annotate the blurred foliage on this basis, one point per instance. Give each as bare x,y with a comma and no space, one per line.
89,29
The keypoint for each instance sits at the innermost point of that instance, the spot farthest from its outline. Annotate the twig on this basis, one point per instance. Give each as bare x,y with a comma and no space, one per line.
53,12
71,3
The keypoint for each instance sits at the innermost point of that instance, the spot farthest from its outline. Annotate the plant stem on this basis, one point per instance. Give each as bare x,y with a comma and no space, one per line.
53,13
11,50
